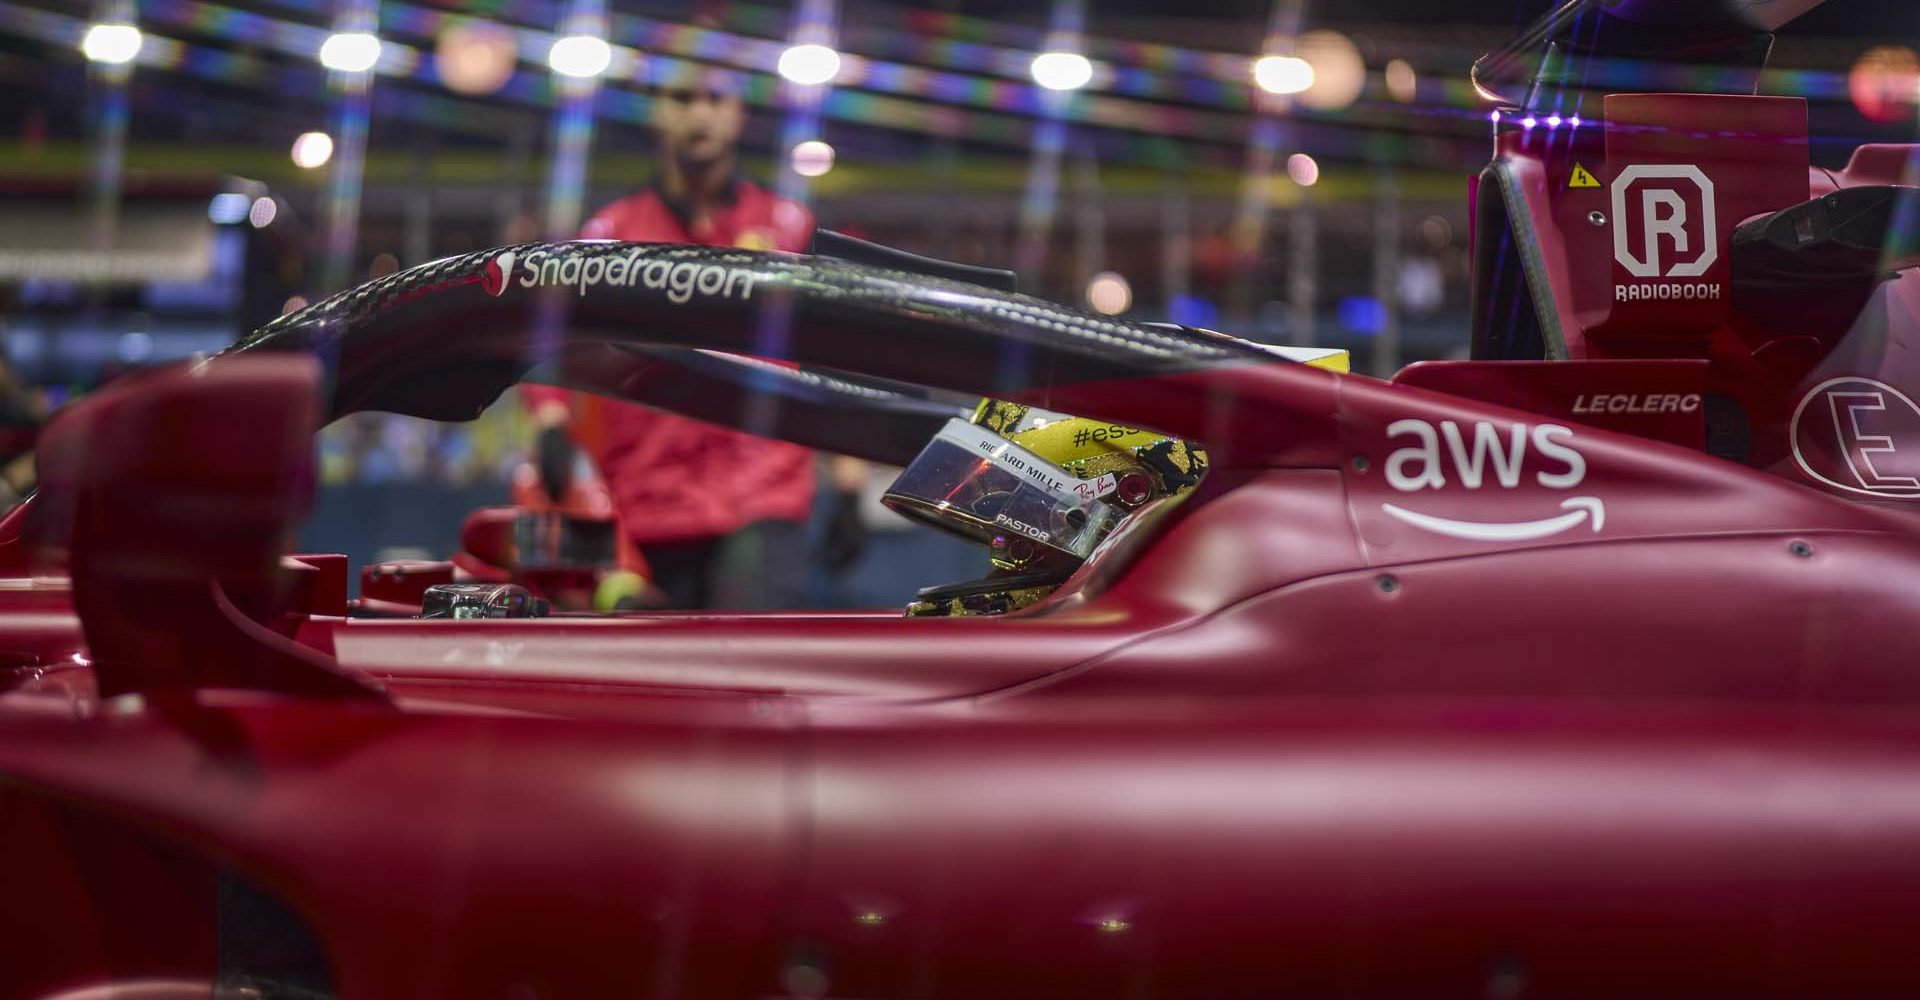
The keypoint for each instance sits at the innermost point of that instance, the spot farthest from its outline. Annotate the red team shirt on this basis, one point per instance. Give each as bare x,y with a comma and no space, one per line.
673,478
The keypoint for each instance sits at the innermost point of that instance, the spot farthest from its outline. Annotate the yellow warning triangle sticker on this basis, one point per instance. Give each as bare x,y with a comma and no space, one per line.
1582,178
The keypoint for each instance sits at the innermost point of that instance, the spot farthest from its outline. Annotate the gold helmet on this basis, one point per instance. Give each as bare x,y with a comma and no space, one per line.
1039,489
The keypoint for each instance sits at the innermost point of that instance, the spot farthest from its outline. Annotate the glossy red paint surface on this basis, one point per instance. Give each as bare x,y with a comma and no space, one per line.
1268,735
1443,687
1657,399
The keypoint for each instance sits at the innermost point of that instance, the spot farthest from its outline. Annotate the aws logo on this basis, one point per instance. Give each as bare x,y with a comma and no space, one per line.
1479,456
1424,465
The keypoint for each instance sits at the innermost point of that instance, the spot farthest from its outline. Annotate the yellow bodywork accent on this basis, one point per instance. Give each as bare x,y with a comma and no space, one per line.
1338,361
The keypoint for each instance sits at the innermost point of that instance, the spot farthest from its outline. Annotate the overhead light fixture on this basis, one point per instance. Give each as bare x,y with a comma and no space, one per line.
112,44
809,63
1282,74
350,51
580,56
312,150
1062,70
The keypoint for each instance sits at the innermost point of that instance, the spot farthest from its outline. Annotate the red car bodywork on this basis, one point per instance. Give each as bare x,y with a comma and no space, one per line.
1419,693
1284,738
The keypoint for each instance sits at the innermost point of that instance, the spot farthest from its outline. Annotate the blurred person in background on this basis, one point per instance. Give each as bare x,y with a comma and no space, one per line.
719,515
21,413
22,410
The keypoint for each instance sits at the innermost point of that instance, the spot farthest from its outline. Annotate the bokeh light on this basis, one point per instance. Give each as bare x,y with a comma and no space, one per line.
1109,293
312,150
1282,74
350,51
1885,83
1303,169
1403,84
1422,286
227,208
582,57
475,57
1339,74
812,158
809,63
1060,70
263,212
135,347
113,44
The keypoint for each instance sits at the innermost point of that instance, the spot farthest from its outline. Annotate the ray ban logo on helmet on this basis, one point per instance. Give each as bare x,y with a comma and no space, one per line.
681,280
1664,227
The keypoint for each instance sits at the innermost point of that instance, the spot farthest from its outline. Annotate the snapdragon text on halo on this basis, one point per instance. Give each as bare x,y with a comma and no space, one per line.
681,280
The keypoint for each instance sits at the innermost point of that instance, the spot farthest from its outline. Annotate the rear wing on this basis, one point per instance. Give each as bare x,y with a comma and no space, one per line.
1635,46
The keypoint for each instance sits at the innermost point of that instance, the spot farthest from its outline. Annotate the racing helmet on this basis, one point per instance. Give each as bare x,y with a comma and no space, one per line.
1039,490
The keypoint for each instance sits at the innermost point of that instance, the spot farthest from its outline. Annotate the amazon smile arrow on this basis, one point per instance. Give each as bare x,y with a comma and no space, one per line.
1578,509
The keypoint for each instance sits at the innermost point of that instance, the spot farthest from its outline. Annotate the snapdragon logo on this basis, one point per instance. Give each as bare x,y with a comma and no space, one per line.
498,272
681,280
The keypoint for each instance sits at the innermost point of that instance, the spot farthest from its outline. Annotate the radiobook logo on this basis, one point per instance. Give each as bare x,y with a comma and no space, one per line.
681,280
1670,218
1664,227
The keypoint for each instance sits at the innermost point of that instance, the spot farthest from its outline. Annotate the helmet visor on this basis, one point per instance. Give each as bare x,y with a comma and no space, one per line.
975,483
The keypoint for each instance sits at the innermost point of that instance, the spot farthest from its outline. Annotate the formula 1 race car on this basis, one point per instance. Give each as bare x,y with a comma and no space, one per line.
1583,668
